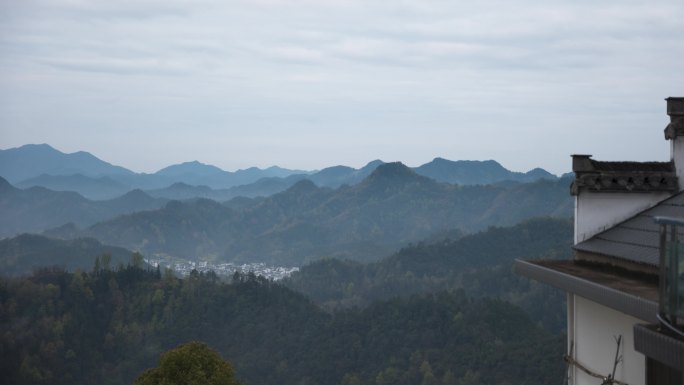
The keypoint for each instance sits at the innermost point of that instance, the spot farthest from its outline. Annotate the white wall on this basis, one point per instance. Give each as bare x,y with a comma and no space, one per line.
596,211
677,155
594,327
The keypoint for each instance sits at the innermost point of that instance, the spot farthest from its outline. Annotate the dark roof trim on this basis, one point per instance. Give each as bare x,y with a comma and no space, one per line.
626,303
584,164
600,176
659,346
625,182
675,108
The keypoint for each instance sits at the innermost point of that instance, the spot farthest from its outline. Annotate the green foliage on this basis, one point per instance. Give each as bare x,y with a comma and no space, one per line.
21,254
106,327
480,264
193,363
137,260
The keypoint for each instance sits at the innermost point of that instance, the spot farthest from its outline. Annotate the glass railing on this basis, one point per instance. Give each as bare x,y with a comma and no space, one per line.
671,290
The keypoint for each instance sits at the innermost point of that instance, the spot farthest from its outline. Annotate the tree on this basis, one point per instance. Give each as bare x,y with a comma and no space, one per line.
428,376
137,260
193,363
106,261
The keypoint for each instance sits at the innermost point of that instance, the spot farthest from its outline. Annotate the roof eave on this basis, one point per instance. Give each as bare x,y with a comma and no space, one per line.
629,304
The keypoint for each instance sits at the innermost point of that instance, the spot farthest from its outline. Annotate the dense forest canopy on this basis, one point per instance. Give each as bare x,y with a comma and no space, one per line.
480,264
108,326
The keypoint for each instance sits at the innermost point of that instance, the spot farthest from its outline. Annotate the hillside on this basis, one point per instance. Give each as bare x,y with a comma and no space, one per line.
264,187
480,264
390,208
183,191
183,229
23,254
107,326
92,188
37,209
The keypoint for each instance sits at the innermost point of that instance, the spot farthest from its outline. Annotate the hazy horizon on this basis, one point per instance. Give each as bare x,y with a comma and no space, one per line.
305,169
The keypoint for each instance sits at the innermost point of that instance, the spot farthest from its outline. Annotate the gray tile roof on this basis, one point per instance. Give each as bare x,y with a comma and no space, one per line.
631,167
636,239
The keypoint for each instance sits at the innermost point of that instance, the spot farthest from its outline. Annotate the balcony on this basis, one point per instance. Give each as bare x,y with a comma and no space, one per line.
671,280
663,343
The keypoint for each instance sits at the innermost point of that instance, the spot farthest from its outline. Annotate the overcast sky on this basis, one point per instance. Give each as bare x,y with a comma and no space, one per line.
314,83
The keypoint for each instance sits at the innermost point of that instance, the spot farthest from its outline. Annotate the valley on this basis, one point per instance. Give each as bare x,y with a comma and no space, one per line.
380,275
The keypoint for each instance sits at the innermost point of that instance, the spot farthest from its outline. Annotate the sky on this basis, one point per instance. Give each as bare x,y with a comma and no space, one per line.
309,84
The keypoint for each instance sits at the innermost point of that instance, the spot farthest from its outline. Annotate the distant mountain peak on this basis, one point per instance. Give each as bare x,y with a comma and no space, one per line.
539,173
335,171
394,170
136,193
470,172
372,165
5,184
44,146
180,185
31,160
192,167
277,170
488,162
303,186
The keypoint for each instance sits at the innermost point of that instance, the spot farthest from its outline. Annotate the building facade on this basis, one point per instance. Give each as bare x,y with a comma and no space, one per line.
628,219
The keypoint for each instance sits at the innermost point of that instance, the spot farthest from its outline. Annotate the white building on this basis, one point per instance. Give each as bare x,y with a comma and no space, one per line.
618,332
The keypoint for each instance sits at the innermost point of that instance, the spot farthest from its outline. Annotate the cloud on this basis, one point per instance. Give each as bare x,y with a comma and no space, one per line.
121,66
447,69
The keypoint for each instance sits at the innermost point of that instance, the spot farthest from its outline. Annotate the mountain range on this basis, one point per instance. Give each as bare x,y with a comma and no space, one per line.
41,165
390,208
31,160
286,217
36,209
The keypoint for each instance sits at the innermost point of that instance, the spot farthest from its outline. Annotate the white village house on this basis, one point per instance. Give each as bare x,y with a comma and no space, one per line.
625,284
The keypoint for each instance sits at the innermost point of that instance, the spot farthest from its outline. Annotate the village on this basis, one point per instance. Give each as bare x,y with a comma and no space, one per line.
184,268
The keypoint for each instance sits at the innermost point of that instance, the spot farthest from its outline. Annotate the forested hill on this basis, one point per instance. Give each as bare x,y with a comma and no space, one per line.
22,254
36,209
106,327
480,264
390,208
